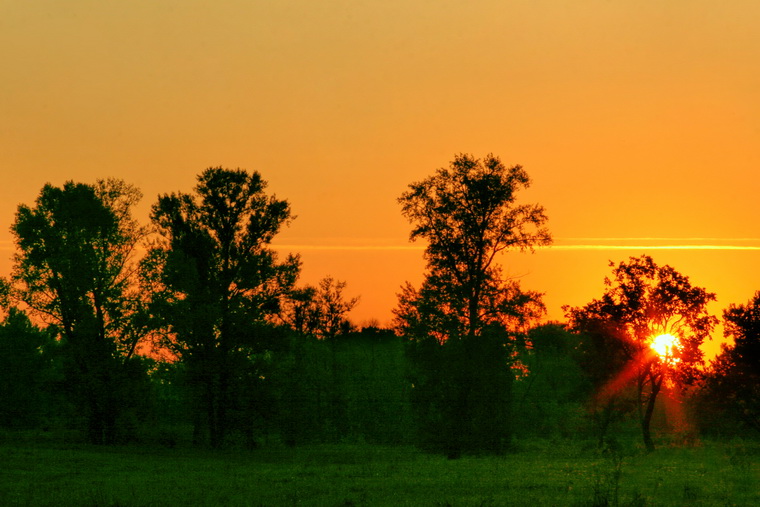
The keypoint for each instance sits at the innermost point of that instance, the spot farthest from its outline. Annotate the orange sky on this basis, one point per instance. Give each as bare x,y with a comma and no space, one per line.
635,119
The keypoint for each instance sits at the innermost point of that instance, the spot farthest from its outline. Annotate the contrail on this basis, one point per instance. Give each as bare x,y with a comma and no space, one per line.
644,243
652,247
653,238
348,247
700,243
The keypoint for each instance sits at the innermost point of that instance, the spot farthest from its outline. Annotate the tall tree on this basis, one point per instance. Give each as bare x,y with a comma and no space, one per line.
215,281
642,301
74,268
464,319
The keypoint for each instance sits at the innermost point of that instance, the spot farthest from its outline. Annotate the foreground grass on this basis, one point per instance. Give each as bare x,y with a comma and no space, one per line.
536,474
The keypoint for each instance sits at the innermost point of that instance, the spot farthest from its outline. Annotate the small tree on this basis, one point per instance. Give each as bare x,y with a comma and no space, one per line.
320,311
644,300
465,319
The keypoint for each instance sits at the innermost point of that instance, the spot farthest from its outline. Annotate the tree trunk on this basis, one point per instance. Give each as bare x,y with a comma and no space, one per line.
459,420
197,426
95,424
211,414
604,418
647,417
223,403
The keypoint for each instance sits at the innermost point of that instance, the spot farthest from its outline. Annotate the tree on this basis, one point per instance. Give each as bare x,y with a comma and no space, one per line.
603,357
74,270
25,370
734,379
464,320
642,301
319,311
215,282
550,397
348,388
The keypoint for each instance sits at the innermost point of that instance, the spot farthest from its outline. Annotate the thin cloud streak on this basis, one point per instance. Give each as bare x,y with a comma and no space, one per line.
598,244
652,238
348,247
657,243
652,247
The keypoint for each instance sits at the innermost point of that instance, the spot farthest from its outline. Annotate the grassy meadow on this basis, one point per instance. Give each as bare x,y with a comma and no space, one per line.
535,473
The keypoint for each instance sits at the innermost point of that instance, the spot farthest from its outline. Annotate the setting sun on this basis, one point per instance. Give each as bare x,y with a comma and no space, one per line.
664,344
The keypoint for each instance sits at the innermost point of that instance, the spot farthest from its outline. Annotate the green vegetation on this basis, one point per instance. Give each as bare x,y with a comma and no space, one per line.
536,473
256,390
465,324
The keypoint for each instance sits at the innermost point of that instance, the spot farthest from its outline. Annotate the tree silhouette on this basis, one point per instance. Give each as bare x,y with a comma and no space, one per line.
734,380
215,281
641,301
549,397
462,322
74,269
27,372
603,358
319,311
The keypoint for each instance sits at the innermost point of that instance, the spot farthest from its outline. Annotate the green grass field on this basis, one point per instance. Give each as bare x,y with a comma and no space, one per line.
537,473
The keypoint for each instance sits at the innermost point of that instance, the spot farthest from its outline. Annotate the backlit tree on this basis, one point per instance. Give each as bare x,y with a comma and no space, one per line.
215,281
734,379
465,319
641,302
75,268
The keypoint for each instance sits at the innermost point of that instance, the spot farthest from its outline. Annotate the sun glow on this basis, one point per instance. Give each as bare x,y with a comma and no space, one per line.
664,345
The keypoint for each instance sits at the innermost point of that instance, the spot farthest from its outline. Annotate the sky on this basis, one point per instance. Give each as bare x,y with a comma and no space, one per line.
637,120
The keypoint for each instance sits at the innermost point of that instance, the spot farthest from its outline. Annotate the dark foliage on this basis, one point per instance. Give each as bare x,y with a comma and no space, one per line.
641,301
732,385
461,392
243,357
549,399
320,312
353,388
73,269
214,282
464,323
26,372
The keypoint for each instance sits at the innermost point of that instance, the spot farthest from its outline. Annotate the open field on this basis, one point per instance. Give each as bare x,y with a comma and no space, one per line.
537,473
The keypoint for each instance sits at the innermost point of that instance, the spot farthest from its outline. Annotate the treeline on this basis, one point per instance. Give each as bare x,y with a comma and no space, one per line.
193,329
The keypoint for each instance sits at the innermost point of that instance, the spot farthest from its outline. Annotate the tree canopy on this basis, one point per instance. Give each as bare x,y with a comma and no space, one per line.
468,214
